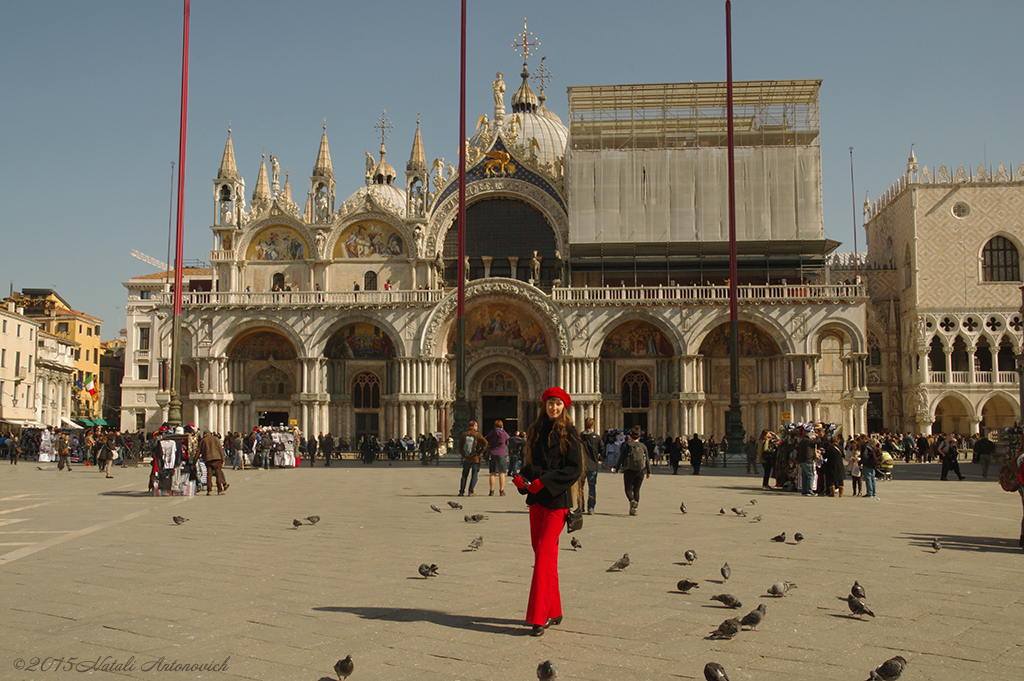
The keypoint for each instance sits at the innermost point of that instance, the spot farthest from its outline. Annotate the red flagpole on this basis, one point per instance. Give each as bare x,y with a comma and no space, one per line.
460,407
174,406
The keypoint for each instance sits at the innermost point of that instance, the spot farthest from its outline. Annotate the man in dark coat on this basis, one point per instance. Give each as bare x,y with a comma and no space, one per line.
696,453
311,447
212,452
327,447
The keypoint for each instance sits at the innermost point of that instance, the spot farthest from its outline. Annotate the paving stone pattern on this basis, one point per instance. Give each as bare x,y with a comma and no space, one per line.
93,568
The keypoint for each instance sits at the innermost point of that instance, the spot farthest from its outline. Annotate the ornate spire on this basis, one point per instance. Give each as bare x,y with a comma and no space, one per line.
540,76
323,167
287,188
228,169
261,192
524,99
383,173
417,161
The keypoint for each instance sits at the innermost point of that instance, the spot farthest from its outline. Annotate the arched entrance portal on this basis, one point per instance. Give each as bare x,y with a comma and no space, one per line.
634,360
263,363
951,417
361,381
499,401
998,413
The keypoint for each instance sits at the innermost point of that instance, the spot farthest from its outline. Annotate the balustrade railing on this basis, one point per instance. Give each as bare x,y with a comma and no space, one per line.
980,377
298,298
708,295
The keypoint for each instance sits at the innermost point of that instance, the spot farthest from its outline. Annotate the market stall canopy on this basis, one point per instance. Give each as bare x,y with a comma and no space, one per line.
68,423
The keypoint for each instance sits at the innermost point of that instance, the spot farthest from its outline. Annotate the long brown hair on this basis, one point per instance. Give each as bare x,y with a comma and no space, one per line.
562,427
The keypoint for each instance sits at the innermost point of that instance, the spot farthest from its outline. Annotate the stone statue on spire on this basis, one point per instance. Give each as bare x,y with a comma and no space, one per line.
499,97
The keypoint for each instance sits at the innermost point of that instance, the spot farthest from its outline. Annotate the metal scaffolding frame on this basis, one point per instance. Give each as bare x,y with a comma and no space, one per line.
687,115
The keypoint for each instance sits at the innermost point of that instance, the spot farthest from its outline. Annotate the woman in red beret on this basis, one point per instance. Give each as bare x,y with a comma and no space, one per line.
553,464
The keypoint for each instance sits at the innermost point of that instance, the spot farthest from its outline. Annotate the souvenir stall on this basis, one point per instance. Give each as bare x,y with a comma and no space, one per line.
47,452
283,448
175,472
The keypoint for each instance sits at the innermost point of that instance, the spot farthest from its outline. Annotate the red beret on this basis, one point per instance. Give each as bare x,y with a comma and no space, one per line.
559,393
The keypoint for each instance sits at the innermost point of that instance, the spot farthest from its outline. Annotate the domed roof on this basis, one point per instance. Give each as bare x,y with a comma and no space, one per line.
387,196
532,121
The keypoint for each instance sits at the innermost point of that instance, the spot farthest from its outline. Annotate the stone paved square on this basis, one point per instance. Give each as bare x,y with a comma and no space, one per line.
94,568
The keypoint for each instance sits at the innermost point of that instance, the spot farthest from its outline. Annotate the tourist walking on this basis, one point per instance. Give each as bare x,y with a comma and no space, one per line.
696,453
591,461
870,457
212,453
553,464
327,447
498,465
472,446
945,448
766,455
635,466
106,454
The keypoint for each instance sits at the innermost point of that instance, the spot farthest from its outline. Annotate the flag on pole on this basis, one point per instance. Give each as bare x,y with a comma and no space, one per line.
90,384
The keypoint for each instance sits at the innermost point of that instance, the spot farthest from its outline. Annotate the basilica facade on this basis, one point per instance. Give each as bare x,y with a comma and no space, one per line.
597,260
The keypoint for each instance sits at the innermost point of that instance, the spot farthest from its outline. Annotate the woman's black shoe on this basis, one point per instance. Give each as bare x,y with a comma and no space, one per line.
554,621
537,630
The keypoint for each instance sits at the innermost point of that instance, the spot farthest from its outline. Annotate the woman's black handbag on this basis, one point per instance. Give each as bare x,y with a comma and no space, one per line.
573,520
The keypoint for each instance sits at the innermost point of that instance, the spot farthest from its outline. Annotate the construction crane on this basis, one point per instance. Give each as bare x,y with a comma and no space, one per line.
152,261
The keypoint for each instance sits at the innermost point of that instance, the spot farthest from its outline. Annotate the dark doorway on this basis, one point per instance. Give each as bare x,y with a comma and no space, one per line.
367,424
503,407
635,418
273,418
876,417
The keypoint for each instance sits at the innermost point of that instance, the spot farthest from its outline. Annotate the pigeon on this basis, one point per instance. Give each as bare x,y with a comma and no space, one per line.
758,518
456,505
476,543
546,671
296,524
857,590
344,667
714,672
434,508
178,520
428,570
620,564
936,545
739,511
685,585
779,537
726,572
478,517
728,600
575,543
467,518
779,589
857,606
727,629
798,537
890,670
313,519
682,507
753,502
691,556
721,511
753,618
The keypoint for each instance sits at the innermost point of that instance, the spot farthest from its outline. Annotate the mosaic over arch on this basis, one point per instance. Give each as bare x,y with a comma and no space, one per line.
636,338
360,340
369,239
277,243
262,344
498,324
753,342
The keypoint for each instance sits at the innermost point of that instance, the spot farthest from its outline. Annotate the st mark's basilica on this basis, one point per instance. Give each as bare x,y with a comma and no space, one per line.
597,252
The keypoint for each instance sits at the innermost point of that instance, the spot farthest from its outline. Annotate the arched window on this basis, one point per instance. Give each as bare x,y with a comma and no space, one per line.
874,351
366,392
1000,260
370,281
636,391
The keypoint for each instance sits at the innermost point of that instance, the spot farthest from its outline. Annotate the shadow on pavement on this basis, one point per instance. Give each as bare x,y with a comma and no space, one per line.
490,625
126,493
959,542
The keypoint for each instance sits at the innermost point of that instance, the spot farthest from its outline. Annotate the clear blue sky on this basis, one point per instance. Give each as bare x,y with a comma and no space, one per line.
89,99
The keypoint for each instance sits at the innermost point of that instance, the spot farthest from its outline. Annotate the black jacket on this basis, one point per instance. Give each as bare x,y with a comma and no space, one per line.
557,473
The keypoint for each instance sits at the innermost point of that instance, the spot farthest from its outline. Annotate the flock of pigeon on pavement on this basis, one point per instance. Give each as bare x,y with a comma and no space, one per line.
890,670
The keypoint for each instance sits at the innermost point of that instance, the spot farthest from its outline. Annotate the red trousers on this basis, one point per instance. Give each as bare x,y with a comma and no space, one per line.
545,601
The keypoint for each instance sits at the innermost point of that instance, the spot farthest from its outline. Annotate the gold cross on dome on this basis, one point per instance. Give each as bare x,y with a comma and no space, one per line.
541,74
384,125
523,45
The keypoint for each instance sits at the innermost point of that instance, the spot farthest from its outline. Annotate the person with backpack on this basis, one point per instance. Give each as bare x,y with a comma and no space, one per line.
945,448
472,446
496,442
592,444
635,466
516,445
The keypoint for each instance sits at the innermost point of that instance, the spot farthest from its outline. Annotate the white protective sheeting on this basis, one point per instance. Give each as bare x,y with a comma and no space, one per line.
657,195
